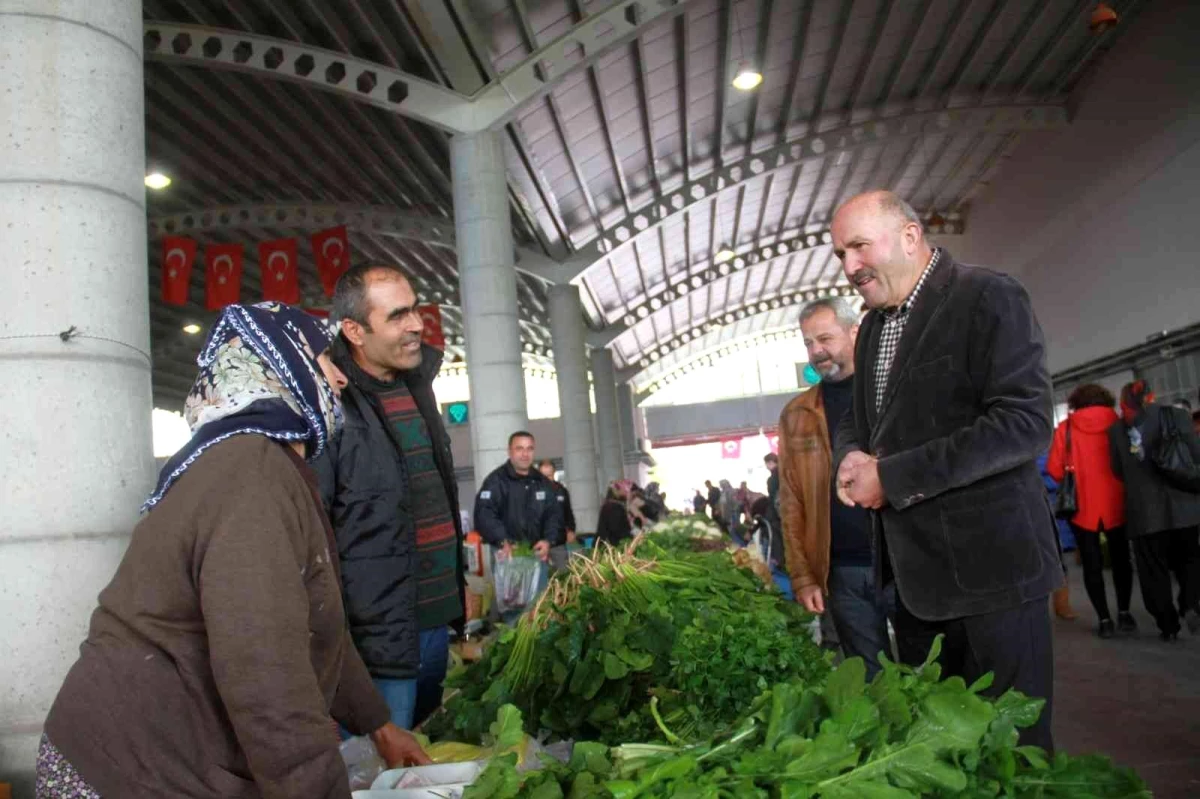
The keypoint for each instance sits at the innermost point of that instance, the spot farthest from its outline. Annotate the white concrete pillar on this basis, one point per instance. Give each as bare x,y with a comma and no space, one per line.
488,284
608,428
76,452
570,364
631,431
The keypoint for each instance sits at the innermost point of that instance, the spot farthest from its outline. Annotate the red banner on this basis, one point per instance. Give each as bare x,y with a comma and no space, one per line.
280,271
178,255
431,316
731,448
222,275
331,251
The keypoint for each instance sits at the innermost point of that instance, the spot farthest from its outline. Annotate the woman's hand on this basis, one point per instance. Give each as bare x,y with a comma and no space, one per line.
398,748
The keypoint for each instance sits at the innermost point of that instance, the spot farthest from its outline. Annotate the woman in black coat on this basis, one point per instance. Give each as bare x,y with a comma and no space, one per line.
614,525
1162,519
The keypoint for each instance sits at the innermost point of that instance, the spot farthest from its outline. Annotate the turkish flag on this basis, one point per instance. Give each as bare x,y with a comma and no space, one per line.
731,448
280,271
331,251
179,253
431,316
222,275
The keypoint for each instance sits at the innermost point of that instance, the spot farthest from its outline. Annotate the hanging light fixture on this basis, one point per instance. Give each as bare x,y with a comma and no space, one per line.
747,78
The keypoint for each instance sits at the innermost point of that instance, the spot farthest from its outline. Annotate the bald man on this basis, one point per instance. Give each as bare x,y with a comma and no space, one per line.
950,411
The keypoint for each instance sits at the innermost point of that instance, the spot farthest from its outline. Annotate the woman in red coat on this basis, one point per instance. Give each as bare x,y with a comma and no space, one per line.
1101,499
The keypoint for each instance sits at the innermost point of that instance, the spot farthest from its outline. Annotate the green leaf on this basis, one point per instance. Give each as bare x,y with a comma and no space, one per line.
604,712
1034,756
952,719
868,790
858,718
983,683
508,730
845,683
614,667
592,758
830,753
498,781
637,661
547,790
1021,710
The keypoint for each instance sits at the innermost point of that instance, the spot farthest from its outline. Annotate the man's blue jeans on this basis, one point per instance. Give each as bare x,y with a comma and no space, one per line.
411,701
435,657
860,614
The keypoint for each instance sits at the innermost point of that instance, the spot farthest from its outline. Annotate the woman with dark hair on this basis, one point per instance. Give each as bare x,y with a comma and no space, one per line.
219,656
1100,497
614,525
1163,518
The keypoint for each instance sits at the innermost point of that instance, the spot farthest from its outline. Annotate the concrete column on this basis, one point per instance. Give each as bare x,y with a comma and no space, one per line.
76,452
631,431
570,362
488,284
608,428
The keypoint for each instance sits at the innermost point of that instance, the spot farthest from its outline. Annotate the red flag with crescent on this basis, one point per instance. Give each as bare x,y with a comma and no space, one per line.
178,255
222,275
280,271
731,448
431,317
331,251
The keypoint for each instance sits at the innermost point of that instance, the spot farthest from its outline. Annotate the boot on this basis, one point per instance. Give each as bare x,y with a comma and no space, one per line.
1062,604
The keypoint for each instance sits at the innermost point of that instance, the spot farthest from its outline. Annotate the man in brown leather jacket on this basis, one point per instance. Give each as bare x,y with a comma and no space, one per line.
828,544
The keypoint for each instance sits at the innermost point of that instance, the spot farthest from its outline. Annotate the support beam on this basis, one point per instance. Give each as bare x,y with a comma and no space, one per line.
77,460
608,426
404,93
571,368
754,256
374,220
488,284
847,139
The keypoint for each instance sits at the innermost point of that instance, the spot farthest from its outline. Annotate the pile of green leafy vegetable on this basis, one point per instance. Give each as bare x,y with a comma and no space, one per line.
637,645
907,734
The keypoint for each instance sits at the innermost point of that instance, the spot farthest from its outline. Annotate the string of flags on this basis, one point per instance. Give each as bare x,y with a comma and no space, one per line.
278,261
224,265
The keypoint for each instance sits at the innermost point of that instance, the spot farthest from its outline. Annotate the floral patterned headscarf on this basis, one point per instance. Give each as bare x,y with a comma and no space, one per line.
258,374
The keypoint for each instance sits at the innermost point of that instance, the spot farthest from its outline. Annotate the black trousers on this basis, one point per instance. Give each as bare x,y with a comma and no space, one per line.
1159,555
1016,645
1092,555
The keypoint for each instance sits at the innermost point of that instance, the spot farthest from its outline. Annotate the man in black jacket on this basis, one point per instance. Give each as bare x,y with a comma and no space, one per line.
517,504
951,410
388,484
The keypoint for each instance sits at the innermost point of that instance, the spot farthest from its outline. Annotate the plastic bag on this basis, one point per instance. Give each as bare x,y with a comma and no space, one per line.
518,580
363,763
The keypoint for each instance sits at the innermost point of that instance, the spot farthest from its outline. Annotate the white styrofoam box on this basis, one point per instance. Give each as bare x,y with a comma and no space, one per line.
443,775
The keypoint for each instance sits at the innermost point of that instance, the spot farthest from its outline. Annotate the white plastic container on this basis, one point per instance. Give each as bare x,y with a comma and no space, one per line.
443,781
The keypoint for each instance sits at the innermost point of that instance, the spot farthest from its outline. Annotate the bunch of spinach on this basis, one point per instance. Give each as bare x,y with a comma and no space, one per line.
907,734
636,647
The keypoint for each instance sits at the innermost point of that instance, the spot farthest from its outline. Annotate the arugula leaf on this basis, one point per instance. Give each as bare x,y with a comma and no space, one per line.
508,729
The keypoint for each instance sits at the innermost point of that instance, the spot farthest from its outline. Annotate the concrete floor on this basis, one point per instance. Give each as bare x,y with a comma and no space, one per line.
1132,698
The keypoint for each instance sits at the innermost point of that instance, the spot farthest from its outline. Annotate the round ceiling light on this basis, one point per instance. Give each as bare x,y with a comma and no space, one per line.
747,78
157,181
191,329
723,255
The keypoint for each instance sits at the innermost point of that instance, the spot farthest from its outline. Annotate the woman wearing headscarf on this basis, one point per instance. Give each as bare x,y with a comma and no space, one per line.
219,656
614,525
1163,520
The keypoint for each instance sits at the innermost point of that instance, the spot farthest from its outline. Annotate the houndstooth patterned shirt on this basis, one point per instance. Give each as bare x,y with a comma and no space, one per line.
893,328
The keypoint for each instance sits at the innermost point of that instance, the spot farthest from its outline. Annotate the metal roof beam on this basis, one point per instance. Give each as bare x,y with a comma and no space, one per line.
370,219
993,119
402,92
756,256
